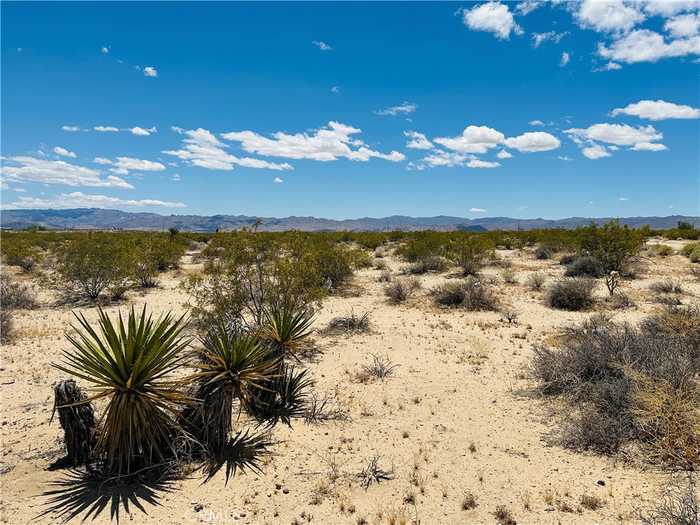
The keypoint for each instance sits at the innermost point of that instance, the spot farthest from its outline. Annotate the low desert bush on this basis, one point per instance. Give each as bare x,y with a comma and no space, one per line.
613,245
472,294
585,266
690,248
470,253
385,277
401,289
15,295
667,286
536,280
6,325
571,294
543,253
427,264
567,259
628,384
508,276
695,256
678,504
349,323
663,250
504,516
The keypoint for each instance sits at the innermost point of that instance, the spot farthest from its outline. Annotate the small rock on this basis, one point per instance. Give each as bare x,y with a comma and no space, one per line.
601,482
198,507
549,509
285,490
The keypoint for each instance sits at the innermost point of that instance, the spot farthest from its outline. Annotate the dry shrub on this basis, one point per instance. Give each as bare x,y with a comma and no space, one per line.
591,502
401,290
663,250
385,277
6,325
504,516
667,286
571,294
349,323
471,294
629,383
431,263
15,295
677,505
585,266
536,280
469,501
543,253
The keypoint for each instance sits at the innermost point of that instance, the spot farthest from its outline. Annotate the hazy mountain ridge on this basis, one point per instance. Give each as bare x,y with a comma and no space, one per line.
97,218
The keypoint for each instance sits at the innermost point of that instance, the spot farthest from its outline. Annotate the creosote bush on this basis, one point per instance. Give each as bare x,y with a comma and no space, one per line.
536,280
471,252
663,250
472,294
629,383
585,266
14,294
667,286
543,253
401,289
573,293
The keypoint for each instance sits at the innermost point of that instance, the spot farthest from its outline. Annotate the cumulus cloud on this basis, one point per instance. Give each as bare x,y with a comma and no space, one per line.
608,15
124,165
150,71
142,132
478,163
533,141
649,146
474,139
536,123
63,152
106,129
504,154
443,159
78,199
493,17
595,151
565,58
278,180
657,110
70,128
644,45
322,45
417,140
618,134
32,169
549,36
668,8
683,25
104,50
201,148
329,143
405,108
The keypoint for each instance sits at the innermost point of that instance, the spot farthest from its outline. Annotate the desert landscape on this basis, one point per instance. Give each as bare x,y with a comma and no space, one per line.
426,403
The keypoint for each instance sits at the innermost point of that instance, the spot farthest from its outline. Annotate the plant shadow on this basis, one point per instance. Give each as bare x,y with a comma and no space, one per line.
87,494
244,451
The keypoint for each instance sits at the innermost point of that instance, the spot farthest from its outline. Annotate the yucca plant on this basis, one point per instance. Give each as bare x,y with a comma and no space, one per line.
286,327
231,365
129,365
283,397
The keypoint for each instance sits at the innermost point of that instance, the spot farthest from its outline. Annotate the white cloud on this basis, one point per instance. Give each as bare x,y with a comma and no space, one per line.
536,123
474,139
658,110
443,159
504,154
477,163
63,152
322,45
683,25
533,141
106,129
596,151
417,140
528,6
649,146
201,148
78,199
31,169
610,66
176,177
644,45
668,8
70,128
608,15
324,144
477,210
104,50
278,180
549,36
335,89
101,160
405,108
492,17
564,158
623,199
142,132
618,134
150,71
565,58
124,165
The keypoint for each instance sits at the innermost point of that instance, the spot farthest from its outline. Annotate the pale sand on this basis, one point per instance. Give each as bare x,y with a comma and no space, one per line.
462,379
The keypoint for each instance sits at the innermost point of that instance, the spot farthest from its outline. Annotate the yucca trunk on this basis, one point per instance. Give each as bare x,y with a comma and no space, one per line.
77,419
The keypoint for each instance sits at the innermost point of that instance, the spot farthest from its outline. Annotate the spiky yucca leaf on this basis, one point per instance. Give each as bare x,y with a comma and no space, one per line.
231,364
129,365
284,398
286,327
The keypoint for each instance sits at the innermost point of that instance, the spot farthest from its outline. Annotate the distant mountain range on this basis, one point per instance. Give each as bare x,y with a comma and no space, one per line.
101,219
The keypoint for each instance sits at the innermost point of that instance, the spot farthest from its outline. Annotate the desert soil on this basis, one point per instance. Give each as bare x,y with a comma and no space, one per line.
459,415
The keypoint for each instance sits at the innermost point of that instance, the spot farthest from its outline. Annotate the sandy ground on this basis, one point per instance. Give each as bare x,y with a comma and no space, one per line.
458,415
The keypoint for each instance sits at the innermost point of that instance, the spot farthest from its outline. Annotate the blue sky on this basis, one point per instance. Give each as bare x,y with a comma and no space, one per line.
522,109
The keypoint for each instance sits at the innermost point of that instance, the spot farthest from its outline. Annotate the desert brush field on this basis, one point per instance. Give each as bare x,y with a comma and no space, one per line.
351,378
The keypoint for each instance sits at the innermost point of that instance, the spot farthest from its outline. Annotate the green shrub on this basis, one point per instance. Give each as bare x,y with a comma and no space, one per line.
472,294
573,293
543,253
15,295
695,255
663,250
689,248
585,266
611,244
536,280
423,265
470,253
